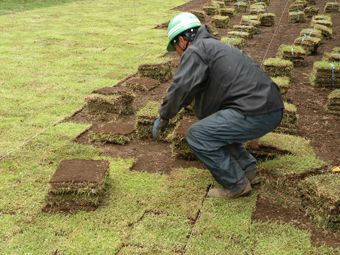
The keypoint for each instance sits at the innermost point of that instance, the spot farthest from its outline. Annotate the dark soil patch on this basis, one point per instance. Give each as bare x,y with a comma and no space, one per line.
150,156
267,210
114,128
80,171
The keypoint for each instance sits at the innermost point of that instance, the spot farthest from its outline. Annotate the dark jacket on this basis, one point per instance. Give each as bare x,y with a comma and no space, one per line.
218,76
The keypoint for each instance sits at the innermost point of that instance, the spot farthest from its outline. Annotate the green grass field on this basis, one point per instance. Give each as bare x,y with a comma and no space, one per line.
53,54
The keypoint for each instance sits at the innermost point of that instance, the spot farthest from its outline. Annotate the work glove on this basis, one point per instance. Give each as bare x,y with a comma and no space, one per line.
159,125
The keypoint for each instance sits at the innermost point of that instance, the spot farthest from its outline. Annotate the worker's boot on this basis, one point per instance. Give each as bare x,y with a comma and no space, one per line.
225,193
252,175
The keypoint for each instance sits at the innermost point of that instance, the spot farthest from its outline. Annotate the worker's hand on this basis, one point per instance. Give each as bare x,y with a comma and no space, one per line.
159,125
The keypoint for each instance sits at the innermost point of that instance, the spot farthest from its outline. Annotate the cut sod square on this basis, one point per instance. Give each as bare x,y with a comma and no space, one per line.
278,67
311,32
161,71
267,19
115,90
145,118
141,83
220,3
230,12
302,2
114,132
211,9
322,17
237,42
326,74
320,198
333,56
119,104
244,35
333,102
288,123
77,185
180,147
310,11
325,22
294,53
310,44
296,17
220,21
240,6
283,83
332,7
200,15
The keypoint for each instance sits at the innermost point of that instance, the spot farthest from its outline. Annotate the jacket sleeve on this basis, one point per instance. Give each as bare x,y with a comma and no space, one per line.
188,81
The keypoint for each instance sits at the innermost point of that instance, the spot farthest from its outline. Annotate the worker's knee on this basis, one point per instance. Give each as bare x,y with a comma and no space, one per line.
192,136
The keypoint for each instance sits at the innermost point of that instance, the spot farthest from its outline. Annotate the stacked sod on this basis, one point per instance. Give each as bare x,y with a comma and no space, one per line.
310,11
220,21
333,56
325,31
242,28
230,12
200,15
333,102
244,35
116,100
258,8
267,19
180,147
211,9
295,7
321,199
141,83
77,185
332,7
145,118
311,32
310,44
113,132
297,17
160,72
275,67
288,124
326,74
240,6
283,84
253,20
294,53
237,42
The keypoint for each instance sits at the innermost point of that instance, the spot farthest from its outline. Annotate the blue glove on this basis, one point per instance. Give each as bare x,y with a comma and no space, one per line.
155,127
159,125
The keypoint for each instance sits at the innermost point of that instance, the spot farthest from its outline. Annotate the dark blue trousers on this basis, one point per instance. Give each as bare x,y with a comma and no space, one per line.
217,141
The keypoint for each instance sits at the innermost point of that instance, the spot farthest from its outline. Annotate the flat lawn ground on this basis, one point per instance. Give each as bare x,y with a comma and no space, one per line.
53,54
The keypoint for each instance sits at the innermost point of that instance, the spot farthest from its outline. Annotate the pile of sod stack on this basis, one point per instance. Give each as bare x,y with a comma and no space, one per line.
77,185
326,74
297,17
253,20
161,71
333,102
324,24
258,8
309,43
275,67
294,53
283,83
332,7
240,6
288,124
321,199
267,19
235,41
333,56
180,147
212,9
145,118
117,100
310,11
228,11
220,21
200,15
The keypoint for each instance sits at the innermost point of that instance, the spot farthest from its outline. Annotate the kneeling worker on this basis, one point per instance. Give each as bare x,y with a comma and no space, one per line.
234,100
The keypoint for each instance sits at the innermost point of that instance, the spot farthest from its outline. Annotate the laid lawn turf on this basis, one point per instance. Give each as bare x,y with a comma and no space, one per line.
67,51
